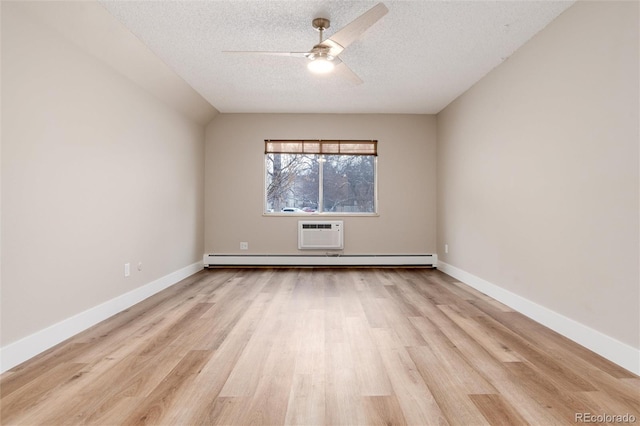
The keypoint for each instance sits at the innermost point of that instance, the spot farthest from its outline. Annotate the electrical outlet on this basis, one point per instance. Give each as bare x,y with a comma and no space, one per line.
446,248
127,269
139,266
244,246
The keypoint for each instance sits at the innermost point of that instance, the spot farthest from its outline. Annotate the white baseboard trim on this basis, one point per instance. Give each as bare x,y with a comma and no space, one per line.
615,351
17,352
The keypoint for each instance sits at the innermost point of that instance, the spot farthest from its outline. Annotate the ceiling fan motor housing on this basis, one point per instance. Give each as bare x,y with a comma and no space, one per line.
320,51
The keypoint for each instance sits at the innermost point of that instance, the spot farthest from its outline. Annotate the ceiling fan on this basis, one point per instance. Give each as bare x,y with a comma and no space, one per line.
324,56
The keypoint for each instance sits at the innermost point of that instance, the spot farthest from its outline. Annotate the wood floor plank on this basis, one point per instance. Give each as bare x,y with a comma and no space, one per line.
316,346
563,376
333,324
19,402
450,394
496,410
493,371
157,315
371,373
559,346
563,404
140,323
153,408
307,400
310,336
343,402
452,366
474,296
106,387
269,388
223,412
20,377
372,311
495,346
176,329
417,402
603,402
383,411
250,367
194,405
350,287
398,322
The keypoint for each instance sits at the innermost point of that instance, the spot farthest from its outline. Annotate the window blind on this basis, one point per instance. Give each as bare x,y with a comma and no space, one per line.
329,147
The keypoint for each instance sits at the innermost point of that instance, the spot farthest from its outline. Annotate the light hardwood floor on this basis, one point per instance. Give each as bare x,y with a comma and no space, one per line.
312,347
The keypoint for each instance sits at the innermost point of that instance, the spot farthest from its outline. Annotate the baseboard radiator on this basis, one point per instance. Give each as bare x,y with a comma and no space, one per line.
399,260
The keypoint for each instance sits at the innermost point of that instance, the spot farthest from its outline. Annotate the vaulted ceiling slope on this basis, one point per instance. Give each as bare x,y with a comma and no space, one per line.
91,28
416,59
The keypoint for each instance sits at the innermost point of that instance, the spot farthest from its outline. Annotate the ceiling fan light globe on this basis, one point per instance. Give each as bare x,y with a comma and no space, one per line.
321,65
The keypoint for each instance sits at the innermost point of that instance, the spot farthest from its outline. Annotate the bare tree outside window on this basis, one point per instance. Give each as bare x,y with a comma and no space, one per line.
349,183
292,181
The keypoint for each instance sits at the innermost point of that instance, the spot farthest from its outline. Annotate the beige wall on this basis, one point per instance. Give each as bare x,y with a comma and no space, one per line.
96,172
234,182
538,181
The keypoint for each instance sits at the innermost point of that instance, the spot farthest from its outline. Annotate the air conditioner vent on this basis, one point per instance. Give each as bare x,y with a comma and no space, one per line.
316,226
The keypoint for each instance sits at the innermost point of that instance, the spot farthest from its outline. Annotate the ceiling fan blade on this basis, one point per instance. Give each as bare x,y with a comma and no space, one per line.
347,35
260,52
347,73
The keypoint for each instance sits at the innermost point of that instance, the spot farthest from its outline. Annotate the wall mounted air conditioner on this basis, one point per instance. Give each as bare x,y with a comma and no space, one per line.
320,235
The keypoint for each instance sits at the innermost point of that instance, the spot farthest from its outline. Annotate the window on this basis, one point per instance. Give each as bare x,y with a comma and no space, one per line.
304,176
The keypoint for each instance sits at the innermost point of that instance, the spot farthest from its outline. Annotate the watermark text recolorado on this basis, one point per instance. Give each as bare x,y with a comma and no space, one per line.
604,418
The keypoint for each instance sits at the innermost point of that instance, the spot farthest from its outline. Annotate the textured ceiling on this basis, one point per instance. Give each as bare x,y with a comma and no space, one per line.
416,59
